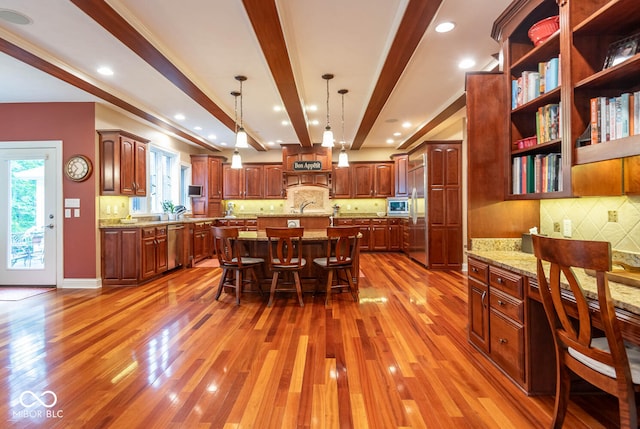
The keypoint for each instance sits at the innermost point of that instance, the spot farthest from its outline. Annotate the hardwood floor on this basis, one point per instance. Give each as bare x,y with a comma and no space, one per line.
167,355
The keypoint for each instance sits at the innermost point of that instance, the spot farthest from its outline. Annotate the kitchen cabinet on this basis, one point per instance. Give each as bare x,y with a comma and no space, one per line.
243,183
243,224
273,181
509,327
372,180
405,235
395,234
154,251
378,234
401,174
119,259
341,182
315,154
200,241
123,163
587,29
206,170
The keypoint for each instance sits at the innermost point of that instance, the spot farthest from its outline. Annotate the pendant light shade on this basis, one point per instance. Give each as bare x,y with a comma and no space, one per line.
241,135
343,158
236,161
327,136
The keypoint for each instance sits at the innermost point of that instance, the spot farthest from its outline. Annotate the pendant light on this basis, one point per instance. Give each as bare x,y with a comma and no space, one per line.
327,136
241,135
236,161
343,158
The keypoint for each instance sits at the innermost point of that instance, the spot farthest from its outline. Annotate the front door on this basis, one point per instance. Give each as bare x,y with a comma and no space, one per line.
28,213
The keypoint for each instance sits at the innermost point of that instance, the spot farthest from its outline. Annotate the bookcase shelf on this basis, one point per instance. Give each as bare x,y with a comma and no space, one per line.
587,31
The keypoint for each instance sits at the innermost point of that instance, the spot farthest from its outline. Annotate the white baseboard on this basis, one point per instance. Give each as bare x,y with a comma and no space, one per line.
81,284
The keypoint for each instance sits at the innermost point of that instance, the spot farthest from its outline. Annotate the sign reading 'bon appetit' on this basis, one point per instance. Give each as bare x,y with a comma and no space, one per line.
307,165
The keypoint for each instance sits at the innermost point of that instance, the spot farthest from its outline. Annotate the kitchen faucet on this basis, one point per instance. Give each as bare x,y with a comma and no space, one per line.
305,204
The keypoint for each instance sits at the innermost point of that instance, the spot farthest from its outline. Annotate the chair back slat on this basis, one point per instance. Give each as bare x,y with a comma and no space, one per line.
342,244
285,247
226,245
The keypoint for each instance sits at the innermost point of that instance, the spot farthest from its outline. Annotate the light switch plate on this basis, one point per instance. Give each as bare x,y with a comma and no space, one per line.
566,228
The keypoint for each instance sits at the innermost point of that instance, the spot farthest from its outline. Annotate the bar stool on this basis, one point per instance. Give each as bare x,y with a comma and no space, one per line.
606,362
285,256
342,248
229,251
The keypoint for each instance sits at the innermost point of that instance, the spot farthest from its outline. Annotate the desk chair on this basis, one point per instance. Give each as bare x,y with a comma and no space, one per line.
229,252
285,256
606,362
342,248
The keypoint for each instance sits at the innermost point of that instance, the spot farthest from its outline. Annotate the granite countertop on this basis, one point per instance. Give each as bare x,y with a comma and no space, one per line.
144,223
309,235
625,297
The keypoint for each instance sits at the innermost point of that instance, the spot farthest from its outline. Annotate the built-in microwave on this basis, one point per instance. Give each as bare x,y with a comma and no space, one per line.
397,207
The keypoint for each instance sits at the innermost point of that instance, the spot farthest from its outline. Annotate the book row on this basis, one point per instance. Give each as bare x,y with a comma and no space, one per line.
614,117
548,124
531,84
537,173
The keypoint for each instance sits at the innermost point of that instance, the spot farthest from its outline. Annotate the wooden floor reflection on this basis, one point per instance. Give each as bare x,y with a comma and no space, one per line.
167,355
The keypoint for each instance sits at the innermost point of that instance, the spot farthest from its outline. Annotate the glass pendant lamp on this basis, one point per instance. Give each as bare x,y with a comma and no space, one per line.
327,136
343,158
241,135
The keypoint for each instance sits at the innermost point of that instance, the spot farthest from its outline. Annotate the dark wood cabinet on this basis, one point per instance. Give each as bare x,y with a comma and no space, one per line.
201,241
120,256
315,154
372,180
123,163
478,301
273,181
401,174
341,182
395,234
243,183
206,170
154,253
378,234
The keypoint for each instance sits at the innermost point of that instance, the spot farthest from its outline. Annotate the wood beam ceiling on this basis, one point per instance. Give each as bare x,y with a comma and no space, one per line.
416,20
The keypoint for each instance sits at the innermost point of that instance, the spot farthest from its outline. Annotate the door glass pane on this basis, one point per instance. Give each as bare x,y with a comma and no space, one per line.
26,225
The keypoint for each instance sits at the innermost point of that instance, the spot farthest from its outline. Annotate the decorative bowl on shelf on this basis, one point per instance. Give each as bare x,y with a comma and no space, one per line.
541,30
381,214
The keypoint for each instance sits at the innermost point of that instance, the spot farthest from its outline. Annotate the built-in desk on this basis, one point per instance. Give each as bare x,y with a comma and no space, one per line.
507,320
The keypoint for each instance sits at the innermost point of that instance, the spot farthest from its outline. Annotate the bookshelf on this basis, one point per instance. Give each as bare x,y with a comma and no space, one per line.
587,29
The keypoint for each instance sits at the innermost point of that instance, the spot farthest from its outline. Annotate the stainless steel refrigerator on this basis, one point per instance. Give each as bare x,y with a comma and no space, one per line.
418,231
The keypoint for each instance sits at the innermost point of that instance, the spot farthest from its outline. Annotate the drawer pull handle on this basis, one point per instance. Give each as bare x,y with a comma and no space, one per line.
474,269
499,280
500,302
484,295
502,341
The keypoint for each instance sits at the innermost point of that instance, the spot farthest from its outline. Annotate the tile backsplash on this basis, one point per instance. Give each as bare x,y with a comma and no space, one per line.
613,219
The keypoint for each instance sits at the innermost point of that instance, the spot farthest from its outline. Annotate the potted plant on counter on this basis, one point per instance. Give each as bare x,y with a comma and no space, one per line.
169,210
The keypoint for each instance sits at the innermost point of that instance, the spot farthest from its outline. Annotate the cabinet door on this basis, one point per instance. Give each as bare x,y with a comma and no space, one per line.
148,262
479,315
273,181
127,165
383,180
507,345
365,226
379,235
140,170
395,235
214,177
341,178
362,181
162,250
232,182
199,176
119,255
401,171
253,182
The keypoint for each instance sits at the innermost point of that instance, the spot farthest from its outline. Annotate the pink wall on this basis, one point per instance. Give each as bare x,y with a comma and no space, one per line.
74,124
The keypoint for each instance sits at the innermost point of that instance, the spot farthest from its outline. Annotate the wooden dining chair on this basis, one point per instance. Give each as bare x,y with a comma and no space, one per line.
605,362
229,252
285,256
342,248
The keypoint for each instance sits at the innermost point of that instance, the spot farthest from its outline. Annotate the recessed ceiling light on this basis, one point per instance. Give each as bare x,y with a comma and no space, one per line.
223,144
270,143
397,134
105,71
406,124
179,117
389,141
278,141
467,63
285,123
277,108
212,137
445,27
314,122
14,17
312,108
197,128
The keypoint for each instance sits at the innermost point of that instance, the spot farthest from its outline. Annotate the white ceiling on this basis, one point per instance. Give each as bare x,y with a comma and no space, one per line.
211,41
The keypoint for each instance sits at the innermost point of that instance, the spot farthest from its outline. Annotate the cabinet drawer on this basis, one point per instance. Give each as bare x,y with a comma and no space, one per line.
251,224
199,226
378,222
507,345
161,230
506,281
394,221
148,232
479,271
507,305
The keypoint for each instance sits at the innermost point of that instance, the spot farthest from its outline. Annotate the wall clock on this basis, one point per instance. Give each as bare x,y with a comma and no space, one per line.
78,168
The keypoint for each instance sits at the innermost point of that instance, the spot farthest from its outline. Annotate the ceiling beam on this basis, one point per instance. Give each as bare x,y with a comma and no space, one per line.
63,75
111,21
264,18
416,20
451,109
